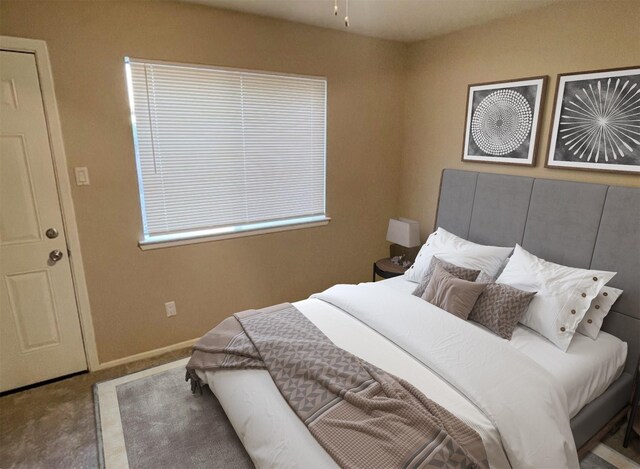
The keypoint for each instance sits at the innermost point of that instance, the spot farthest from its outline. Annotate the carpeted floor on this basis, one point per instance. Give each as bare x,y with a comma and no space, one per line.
53,426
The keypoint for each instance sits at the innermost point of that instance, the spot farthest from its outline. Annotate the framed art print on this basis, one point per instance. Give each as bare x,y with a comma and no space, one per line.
502,121
596,121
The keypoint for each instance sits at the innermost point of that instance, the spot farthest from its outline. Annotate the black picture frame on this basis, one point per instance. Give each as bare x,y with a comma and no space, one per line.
596,121
503,121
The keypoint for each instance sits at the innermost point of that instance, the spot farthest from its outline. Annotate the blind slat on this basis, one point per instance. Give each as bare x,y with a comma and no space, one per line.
220,148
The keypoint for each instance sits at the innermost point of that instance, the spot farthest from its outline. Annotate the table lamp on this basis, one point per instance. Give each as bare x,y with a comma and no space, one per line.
404,234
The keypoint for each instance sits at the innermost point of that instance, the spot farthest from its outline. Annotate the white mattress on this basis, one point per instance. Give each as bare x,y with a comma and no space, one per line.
584,371
275,437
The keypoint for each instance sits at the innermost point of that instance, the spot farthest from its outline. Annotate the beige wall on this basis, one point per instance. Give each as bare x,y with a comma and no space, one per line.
127,287
567,37
384,99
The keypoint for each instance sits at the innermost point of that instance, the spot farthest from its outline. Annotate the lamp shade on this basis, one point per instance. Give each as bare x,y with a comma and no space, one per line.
404,232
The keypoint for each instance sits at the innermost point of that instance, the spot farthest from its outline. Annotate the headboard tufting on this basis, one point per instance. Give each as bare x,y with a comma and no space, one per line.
570,223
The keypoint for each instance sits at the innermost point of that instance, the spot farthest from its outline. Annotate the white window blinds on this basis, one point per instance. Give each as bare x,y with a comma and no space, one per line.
222,151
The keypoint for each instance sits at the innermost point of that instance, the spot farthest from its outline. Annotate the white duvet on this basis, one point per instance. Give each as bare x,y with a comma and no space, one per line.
525,403
486,376
584,371
272,433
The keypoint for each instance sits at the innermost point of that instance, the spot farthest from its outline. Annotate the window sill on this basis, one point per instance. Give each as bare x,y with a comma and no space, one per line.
192,238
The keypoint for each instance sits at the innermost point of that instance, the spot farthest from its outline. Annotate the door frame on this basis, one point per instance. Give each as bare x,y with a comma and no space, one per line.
63,184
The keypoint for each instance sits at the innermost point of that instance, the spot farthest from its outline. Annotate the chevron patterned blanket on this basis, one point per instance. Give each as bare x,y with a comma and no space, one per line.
361,415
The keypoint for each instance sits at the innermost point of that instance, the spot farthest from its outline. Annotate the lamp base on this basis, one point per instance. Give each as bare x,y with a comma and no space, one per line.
409,254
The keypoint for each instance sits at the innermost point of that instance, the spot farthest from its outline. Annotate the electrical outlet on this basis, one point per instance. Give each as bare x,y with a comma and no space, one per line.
170,308
82,176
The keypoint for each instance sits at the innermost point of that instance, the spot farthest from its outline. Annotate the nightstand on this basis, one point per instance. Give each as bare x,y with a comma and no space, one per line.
387,269
633,425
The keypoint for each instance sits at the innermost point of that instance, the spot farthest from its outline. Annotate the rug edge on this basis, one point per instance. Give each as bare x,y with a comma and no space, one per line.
96,413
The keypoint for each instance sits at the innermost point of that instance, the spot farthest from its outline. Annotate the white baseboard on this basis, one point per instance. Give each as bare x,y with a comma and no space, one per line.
147,354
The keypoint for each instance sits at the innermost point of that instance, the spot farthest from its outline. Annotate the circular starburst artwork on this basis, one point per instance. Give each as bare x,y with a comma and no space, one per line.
501,122
600,121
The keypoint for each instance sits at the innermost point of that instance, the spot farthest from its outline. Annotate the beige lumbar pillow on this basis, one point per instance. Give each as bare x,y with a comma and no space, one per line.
460,272
453,294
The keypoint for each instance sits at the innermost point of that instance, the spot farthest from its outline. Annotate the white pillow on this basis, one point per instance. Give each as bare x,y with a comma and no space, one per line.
600,307
450,248
563,298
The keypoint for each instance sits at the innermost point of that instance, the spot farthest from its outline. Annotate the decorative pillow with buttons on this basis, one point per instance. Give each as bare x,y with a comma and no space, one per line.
600,307
564,294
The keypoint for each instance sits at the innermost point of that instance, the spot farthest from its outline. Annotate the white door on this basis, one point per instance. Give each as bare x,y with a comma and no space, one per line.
40,335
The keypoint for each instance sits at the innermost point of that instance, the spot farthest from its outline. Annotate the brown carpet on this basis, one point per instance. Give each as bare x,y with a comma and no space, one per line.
53,426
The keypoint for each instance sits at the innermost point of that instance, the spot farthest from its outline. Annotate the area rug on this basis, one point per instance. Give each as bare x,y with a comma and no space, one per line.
151,419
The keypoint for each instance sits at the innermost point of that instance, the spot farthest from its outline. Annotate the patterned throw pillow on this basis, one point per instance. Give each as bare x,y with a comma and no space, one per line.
452,294
500,306
457,271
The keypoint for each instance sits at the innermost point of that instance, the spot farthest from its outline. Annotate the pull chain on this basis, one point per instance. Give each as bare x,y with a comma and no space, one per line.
346,7
346,18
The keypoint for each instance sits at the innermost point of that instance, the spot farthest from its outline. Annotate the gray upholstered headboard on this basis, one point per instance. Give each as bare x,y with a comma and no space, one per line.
570,223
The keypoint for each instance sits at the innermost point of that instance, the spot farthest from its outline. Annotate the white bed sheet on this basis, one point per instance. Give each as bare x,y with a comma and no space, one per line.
584,371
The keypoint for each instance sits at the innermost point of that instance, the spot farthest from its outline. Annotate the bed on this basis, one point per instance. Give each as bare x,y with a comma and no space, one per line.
576,224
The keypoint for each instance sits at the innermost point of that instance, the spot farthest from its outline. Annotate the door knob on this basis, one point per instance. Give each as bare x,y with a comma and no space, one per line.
55,255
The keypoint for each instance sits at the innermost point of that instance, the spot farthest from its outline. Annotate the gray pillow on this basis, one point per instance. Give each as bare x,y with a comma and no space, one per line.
453,294
457,271
500,307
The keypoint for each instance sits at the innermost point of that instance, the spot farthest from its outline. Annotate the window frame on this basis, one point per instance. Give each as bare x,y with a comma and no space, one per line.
228,232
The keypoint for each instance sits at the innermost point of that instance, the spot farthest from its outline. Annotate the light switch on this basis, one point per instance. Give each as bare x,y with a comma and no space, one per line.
82,176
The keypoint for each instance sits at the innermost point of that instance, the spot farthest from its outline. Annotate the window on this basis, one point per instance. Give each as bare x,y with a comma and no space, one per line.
224,152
